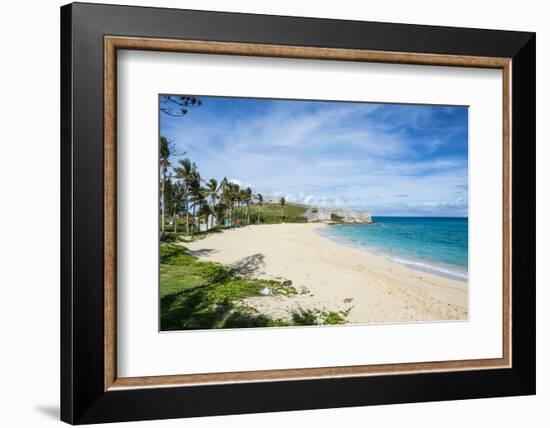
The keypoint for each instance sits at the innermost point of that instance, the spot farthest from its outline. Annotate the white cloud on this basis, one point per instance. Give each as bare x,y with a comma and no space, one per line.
241,184
335,156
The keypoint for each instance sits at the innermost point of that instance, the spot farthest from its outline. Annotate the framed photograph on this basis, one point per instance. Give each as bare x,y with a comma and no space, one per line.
266,213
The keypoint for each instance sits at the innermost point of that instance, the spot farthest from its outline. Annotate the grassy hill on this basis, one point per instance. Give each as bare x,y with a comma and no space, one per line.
271,213
268,214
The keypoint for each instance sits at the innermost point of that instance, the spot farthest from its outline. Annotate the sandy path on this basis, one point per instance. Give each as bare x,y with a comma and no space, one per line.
338,277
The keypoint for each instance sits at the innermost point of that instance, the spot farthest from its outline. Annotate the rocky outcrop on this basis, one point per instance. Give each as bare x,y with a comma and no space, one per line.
338,215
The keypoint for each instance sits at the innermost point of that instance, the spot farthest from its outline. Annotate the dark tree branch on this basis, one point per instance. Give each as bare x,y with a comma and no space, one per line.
178,105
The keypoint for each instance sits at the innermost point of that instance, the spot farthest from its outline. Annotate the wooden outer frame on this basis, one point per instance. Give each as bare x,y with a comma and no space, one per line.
84,397
114,43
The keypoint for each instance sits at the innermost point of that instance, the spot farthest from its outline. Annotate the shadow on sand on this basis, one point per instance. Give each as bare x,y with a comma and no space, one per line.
206,306
249,266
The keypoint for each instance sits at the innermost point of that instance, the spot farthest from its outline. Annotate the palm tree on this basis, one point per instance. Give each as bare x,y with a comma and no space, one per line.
197,193
225,198
235,198
167,200
212,189
260,200
185,173
282,201
205,211
246,197
164,165
177,194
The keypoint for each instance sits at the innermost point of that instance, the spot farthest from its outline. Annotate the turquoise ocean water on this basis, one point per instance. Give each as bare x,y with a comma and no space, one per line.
433,244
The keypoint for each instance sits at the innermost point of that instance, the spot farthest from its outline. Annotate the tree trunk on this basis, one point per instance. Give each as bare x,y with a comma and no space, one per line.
212,213
162,203
175,220
229,212
193,225
247,213
186,219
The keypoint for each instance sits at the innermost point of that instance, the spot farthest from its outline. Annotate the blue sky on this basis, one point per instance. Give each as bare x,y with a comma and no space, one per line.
390,159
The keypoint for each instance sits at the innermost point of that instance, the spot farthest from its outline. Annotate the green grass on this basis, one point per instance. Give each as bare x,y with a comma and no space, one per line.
316,316
271,213
173,237
202,295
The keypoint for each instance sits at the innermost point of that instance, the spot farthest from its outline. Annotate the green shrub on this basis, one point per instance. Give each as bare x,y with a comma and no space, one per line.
333,318
173,254
199,294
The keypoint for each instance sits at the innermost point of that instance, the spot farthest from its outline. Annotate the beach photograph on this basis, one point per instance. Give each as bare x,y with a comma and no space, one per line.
292,213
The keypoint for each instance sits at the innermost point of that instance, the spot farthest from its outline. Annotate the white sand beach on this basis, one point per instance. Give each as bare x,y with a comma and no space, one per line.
338,278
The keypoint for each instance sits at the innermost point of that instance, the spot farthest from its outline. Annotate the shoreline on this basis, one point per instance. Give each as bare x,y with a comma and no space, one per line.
411,264
369,287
